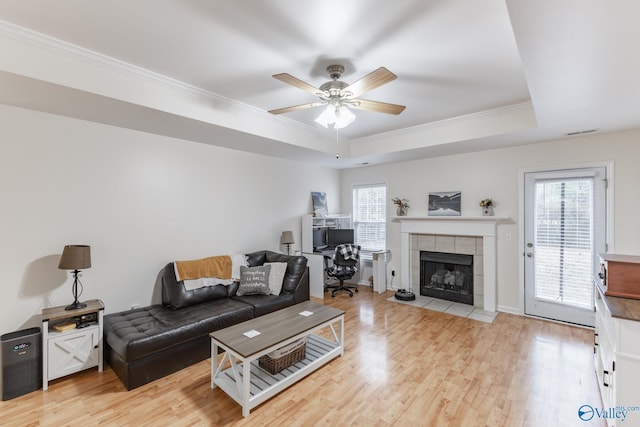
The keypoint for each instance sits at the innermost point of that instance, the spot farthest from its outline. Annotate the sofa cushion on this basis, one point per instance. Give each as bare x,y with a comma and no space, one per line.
254,280
263,304
256,258
296,267
137,333
175,295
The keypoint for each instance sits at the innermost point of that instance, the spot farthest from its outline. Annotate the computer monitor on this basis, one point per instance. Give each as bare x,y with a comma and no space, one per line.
338,236
319,238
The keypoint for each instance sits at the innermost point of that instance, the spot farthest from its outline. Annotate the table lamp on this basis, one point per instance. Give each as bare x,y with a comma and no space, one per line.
76,258
287,239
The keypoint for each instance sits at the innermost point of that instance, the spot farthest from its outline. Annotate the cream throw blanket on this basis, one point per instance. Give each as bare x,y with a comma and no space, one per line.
222,269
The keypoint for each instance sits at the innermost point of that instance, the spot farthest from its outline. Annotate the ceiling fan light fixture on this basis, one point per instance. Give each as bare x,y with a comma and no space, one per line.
339,116
344,117
339,97
327,117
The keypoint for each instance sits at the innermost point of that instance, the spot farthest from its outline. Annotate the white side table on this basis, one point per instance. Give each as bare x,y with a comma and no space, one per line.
72,350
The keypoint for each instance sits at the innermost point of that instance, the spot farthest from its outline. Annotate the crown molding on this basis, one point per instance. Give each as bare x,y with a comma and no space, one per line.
453,121
42,41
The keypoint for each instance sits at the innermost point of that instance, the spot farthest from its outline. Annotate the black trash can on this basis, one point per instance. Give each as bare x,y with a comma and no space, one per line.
21,362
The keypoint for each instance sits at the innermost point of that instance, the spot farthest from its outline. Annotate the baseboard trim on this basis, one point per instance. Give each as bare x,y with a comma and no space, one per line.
509,310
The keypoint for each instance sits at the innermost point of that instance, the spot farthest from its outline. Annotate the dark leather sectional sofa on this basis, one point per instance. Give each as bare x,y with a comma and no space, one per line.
148,343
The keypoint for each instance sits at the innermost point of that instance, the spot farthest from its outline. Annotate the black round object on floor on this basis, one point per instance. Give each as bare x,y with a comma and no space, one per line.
404,295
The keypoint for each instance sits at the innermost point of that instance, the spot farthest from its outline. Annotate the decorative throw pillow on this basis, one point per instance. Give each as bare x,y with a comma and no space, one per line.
254,280
237,260
276,277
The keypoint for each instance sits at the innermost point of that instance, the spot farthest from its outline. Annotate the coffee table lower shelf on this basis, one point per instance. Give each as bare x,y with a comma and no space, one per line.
264,385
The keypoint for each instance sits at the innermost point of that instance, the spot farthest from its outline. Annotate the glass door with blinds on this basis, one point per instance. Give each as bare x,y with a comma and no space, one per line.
564,232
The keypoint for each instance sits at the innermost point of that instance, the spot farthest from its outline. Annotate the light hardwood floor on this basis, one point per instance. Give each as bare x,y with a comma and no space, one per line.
403,366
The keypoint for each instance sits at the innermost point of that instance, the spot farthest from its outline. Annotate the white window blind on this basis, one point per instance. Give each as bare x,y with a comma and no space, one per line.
370,218
564,239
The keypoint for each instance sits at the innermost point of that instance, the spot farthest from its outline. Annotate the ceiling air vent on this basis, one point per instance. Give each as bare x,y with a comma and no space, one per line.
580,132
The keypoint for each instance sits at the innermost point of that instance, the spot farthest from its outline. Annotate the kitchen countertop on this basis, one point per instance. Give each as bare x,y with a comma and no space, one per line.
622,308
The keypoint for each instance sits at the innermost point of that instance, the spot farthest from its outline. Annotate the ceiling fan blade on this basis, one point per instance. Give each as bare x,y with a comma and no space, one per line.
371,81
297,107
293,81
378,107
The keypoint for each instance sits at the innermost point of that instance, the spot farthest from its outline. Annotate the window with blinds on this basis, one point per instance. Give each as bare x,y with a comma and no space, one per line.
564,241
370,218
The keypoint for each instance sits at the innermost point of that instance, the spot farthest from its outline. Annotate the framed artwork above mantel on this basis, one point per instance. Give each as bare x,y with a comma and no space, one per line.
444,203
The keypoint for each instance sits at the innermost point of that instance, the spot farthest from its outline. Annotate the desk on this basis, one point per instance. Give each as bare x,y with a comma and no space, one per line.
318,263
326,252
315,261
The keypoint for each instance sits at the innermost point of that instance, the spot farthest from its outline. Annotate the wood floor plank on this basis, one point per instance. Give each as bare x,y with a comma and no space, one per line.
403,366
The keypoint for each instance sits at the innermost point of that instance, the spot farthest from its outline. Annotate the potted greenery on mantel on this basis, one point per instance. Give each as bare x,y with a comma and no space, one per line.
401,206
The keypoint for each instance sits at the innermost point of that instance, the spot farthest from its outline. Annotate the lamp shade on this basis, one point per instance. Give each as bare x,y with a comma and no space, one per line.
344,117
337,115
287,238
328,116
75,257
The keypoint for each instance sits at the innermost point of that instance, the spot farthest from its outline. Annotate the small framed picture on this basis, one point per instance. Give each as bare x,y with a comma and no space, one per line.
319,201
444,203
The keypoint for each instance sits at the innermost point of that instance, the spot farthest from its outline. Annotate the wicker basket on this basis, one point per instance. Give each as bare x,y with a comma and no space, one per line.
284,357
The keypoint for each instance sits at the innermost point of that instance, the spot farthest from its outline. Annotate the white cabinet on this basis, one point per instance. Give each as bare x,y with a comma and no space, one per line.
617,357
70,352
316,259
67,351
310,223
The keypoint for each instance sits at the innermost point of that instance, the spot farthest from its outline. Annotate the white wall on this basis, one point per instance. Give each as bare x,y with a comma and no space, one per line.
143,200
495,174
140,201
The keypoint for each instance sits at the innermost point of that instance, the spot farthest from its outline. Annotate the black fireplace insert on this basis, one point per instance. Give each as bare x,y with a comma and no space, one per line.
447,276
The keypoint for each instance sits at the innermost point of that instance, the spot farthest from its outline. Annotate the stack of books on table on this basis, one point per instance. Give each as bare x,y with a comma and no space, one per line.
61,327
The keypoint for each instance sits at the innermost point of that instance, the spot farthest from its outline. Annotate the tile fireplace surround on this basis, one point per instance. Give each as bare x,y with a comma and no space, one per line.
446,229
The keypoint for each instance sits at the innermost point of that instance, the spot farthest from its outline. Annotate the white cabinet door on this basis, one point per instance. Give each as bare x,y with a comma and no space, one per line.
73,351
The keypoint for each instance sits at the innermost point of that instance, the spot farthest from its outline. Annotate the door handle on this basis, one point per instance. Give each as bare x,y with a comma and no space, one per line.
530,255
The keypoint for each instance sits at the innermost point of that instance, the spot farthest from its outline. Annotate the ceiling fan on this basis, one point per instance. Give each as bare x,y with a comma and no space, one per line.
340,96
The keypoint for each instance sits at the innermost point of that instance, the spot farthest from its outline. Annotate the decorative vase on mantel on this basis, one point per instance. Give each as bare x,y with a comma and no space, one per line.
487,207
401,206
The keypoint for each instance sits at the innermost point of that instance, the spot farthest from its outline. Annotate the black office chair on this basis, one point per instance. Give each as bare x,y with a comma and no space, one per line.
345,266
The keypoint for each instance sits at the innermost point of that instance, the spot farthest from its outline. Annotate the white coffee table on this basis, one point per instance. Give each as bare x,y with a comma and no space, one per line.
248,384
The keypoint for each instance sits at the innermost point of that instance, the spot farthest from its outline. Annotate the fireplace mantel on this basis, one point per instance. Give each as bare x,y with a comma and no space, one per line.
479,226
